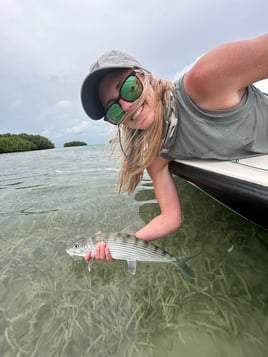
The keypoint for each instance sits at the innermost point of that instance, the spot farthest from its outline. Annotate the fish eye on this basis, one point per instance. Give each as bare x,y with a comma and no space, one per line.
76,245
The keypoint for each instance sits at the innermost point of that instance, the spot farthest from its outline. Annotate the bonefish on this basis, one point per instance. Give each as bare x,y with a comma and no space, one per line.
127,247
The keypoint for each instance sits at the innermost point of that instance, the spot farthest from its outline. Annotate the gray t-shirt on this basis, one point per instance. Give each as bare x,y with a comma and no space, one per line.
222,135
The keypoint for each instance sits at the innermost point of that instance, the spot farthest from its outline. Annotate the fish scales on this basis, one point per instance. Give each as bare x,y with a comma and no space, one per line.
127,247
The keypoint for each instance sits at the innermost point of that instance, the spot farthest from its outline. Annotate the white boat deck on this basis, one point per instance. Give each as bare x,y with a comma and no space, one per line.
253,169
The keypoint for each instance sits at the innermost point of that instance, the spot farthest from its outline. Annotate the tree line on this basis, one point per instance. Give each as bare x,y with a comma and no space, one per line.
23,142
74,143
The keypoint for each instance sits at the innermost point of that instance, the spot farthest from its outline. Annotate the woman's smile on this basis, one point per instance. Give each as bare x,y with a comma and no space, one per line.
138,112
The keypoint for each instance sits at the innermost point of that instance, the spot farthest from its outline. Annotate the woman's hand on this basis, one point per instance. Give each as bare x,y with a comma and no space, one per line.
102,253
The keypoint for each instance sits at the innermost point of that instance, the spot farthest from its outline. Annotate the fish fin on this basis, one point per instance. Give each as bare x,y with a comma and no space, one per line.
184,267
131,229
89,266
132,266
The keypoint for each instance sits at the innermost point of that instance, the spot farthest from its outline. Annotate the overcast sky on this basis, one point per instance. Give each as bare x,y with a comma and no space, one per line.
47,47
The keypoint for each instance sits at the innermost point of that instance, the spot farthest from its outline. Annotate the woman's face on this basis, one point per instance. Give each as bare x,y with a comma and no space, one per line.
109,92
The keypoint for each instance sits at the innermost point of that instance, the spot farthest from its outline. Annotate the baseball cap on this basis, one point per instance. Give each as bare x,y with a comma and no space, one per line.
107,63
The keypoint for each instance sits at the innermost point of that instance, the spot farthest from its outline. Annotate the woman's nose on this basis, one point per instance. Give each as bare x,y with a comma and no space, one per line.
124,104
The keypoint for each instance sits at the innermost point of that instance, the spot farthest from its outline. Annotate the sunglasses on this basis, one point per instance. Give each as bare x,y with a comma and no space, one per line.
130,90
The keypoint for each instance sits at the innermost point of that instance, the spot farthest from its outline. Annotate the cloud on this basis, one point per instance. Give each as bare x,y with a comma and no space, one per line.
262,85
185,69
63,105
47,47
82,127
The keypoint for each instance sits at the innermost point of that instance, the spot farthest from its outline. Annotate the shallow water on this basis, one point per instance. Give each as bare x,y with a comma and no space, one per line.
50,305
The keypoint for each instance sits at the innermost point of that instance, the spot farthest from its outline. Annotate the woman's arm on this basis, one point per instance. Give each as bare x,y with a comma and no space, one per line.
168,221
219,78
166,193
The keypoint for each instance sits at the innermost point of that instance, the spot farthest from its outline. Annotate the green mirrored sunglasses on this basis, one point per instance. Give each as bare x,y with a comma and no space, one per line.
130,90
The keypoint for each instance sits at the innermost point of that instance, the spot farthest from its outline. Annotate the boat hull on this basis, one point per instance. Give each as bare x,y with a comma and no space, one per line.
241,185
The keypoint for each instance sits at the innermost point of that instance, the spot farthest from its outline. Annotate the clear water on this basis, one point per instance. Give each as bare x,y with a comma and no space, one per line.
50,305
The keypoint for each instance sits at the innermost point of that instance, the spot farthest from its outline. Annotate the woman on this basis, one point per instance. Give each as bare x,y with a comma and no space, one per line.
212,112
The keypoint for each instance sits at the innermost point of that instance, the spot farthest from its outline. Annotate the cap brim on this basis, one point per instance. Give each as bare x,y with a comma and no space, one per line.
89,94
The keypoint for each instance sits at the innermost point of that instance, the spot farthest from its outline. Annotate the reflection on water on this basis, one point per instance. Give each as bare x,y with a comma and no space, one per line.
51,306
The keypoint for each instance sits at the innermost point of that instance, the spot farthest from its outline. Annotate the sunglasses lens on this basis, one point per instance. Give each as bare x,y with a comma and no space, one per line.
115,114
131,89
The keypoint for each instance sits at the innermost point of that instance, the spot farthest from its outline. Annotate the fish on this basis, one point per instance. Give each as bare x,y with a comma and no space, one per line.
127,247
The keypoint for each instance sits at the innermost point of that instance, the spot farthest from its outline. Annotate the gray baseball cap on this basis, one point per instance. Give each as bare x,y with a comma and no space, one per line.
107,63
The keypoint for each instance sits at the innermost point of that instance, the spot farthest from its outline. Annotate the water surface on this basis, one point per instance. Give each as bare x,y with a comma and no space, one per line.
50,305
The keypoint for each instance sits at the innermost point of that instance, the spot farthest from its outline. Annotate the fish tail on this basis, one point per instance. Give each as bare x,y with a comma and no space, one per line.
181,263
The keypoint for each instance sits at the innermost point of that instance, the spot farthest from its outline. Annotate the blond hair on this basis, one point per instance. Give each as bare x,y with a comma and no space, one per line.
138,147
